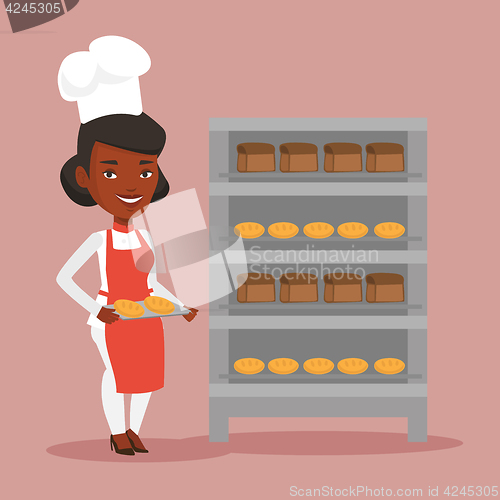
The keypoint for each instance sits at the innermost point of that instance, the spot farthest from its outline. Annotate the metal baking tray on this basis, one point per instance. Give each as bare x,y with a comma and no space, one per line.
178,311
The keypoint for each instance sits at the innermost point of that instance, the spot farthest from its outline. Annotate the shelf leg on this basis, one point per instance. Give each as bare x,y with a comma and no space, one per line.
417,426
218,427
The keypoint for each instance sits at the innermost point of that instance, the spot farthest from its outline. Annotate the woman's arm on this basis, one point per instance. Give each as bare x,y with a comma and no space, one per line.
76,261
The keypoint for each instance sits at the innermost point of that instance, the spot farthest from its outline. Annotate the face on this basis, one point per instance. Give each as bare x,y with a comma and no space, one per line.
120,181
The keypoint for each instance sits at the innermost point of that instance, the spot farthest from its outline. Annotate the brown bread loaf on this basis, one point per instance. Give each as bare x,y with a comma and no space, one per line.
256,157
385,157
343,157
344,287
256,287
385,287
298,157
299,287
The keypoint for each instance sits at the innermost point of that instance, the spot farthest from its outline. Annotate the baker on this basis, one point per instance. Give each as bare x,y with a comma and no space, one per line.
116,167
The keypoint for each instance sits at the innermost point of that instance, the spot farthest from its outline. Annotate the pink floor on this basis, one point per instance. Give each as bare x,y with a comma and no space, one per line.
258,464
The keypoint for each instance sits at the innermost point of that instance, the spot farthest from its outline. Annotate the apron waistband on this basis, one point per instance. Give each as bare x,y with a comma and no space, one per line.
106,294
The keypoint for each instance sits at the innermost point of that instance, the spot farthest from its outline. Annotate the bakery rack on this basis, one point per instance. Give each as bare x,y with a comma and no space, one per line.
335,331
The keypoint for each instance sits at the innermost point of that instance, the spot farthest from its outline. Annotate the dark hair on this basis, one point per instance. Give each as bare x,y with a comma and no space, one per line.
140,134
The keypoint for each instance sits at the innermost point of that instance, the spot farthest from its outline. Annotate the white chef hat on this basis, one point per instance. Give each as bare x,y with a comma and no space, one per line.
105,80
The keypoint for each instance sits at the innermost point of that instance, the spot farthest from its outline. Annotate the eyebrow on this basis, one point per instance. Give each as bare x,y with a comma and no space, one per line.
144,162
110,162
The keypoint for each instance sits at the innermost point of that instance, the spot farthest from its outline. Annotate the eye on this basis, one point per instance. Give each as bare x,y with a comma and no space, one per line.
110,175
146,175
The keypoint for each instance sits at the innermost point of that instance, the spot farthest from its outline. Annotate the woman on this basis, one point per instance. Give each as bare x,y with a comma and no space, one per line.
116,168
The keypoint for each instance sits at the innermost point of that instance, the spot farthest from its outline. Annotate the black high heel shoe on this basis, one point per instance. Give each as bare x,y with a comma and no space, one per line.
121,444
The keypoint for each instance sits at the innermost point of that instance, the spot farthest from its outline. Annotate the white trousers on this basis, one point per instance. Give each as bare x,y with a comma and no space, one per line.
114,402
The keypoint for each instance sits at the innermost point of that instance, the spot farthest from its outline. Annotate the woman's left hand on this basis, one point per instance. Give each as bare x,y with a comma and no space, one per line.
192,314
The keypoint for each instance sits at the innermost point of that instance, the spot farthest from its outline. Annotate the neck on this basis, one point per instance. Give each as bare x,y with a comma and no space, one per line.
122,222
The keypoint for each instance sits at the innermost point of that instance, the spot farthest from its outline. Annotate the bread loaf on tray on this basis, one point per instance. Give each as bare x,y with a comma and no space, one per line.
256,287
298,157
256,157
343,157
345,287
385,157
299,287
385,287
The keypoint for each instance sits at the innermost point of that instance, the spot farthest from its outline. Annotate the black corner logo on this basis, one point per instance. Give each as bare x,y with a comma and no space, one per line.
27,15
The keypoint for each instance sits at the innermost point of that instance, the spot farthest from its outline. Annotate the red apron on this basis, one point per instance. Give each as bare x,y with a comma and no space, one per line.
135,347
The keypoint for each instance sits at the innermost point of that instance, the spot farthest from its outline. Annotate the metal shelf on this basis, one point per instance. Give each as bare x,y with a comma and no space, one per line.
301,394
317,124
309,377
319,256
330,322
316,176
311,306
223,390
364,239
318,189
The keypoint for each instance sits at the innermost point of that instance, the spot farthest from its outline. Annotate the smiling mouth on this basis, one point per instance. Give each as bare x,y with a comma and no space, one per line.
130,200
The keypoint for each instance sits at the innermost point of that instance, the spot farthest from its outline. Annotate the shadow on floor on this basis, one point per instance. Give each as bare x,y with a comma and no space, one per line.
257,443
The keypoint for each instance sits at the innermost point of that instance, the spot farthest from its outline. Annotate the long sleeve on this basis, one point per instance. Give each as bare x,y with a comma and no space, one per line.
76,261
158,289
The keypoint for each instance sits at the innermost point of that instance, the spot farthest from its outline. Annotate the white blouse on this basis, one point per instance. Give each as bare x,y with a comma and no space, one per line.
96,242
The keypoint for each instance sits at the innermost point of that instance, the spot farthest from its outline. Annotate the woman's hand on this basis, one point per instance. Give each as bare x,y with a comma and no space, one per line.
192,314
108,316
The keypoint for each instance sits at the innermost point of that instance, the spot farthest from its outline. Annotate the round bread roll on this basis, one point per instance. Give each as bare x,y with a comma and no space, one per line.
128,308
249,230
283,366
249,366
318,230
318,366
352,366
389,230
283,230
389,366
352,230
159,305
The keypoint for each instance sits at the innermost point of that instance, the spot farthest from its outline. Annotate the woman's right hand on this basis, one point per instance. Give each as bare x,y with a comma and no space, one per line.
108,316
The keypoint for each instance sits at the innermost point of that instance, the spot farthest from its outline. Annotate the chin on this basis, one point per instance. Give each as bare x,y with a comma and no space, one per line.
136,212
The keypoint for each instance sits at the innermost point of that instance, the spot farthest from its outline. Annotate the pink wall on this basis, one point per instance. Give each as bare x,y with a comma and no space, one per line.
263,59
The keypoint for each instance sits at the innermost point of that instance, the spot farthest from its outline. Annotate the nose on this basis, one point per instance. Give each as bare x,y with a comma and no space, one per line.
131,190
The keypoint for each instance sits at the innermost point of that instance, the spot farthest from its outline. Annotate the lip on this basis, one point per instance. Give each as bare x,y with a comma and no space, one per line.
130,200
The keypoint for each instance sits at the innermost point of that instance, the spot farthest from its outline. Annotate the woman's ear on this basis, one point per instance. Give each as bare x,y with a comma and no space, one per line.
82,178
